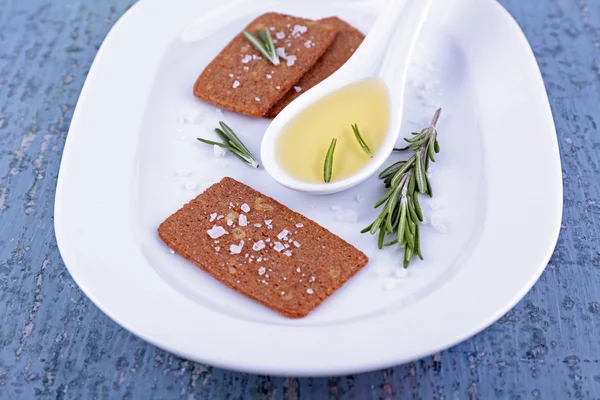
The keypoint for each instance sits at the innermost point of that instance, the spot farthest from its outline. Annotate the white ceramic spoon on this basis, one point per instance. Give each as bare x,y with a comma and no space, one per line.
385,53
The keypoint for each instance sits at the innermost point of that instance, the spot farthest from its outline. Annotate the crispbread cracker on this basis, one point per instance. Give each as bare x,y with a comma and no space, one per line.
345,44
286,261
241,80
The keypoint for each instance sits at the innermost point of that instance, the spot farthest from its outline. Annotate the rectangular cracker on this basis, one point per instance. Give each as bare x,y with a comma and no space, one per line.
286,261
345,44
241,80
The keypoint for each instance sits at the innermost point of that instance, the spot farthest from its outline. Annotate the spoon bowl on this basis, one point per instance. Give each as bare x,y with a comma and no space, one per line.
384,55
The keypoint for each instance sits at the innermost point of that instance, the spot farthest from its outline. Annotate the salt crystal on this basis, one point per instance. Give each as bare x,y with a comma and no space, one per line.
171,251
278,247
229,222
262,270
213,216
438,225
255,57
220,216
283,234
401,273
390,284
290,60
231,75
216,232
299,225
236,83
281,52
308,44
299,30
298,89
190,185
236,248
312,279
245,208
297,244
348,216
282,292
287,253
242,220
258,225
246,68
247,58
309,291
267,240
257,98
269,76
258,245
298,269
218,151
278,87
217,248
259,259
287,246
280,35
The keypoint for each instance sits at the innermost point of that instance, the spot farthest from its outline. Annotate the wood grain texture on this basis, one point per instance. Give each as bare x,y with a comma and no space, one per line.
54,344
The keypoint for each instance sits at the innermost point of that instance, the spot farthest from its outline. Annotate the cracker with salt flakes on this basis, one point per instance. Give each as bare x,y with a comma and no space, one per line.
240,79
260,248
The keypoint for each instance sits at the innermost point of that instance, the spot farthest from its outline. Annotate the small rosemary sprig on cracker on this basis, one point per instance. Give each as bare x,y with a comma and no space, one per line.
361,141
401,213
328,166
264,44
232,143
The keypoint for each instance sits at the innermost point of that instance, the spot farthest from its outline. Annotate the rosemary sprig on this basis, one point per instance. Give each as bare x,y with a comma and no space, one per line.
232,143
401,213
328,166
264,44
361,141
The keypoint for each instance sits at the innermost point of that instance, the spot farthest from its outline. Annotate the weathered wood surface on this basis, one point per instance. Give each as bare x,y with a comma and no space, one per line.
55,344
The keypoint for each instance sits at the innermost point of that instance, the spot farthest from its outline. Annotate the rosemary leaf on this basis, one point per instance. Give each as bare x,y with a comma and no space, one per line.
328,166
232,143
361,141
264,46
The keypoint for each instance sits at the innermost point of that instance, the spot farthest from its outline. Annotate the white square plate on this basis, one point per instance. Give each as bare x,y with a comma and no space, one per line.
131,159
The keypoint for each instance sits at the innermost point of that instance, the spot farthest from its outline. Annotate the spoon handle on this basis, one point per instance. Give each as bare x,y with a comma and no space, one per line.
386,50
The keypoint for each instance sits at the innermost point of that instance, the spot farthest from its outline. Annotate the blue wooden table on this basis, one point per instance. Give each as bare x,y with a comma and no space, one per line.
55,344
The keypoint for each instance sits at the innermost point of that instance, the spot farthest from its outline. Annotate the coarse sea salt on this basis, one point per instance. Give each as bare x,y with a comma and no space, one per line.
242,220
218,151
245,208
283,234
390,284
280,35
269,76
348,216
281,52
290,60
298,89
309,291
287,253
236,83
213,216
300,225
297,244
262,270
246,59
298,30
278,247
258,245
401,273
236,248
216,232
